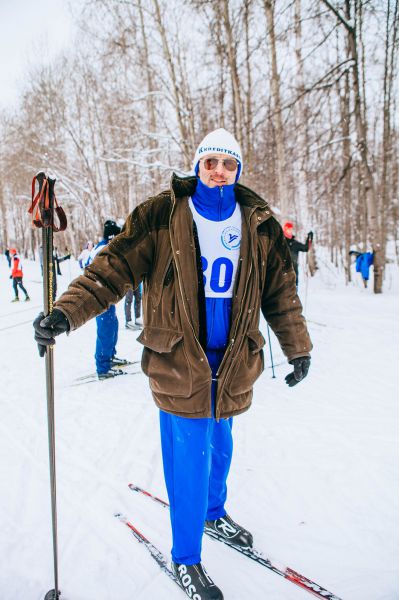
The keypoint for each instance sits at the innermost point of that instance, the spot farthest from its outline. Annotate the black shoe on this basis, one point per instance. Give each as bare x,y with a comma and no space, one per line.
110,374
226,529
16,299
196,582
27,299
129,325
118,362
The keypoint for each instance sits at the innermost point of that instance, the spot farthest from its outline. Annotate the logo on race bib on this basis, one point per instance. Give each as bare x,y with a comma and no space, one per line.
231,238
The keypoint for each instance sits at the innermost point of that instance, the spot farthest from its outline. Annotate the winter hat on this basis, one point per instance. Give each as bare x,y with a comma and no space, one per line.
219,141
13,251
287,228
110,229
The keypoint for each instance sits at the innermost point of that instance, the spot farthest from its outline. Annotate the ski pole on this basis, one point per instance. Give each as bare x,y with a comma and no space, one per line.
43,206
305,304
270,348
307,271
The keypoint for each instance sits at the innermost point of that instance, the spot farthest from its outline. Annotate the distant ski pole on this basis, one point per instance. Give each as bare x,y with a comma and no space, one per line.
42,209
271,352
307,271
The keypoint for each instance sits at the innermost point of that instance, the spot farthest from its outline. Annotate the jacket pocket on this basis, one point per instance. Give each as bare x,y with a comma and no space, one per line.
161,278
249,364
165,362
169,274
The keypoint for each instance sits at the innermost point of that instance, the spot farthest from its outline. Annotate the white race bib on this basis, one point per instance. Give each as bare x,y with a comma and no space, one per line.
220,250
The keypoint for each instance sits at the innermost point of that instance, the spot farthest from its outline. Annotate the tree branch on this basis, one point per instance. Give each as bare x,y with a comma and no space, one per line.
340,18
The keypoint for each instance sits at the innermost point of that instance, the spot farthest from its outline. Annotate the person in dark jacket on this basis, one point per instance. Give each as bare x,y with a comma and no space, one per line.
211,257
133,295
8,257
295,246
107,322
56,267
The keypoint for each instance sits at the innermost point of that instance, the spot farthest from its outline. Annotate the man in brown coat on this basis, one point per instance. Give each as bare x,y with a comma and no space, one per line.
211,256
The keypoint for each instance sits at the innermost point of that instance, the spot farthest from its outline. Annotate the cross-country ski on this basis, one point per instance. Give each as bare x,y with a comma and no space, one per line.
156,554
127,368
285,572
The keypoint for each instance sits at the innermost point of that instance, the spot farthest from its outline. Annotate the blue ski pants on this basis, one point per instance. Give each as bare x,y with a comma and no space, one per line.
107,336
196,460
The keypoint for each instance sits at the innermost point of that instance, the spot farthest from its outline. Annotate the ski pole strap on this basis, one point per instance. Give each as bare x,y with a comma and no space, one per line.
44,216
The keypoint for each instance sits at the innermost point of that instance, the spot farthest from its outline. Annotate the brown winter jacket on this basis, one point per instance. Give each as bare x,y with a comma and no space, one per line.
157,247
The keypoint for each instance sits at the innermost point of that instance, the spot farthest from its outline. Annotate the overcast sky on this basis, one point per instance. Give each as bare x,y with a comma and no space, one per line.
31,31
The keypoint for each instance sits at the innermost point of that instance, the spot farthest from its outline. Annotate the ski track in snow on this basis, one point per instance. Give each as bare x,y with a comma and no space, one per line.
314,475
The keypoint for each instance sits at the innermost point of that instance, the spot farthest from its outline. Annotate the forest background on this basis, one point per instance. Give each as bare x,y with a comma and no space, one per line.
308,87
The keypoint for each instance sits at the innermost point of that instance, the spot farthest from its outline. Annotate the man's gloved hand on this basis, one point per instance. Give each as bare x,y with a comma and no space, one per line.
301,368
310,237
46,328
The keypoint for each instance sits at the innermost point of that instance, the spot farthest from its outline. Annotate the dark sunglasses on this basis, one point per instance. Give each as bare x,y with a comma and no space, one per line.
211,163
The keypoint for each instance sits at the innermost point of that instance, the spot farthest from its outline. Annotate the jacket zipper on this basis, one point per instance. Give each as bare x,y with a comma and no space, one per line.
180,288
231,344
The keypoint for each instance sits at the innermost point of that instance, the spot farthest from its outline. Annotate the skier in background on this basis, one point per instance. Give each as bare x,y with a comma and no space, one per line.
211,256
295,246
364,260
8,257
136,296
17,275
56,267
107,322
59,259
84,255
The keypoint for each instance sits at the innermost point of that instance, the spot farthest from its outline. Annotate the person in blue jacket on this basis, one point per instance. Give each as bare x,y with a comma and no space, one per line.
107,322
364,260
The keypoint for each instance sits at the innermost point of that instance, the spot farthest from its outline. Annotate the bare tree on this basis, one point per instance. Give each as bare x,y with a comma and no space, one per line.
269,7
115,115
350,23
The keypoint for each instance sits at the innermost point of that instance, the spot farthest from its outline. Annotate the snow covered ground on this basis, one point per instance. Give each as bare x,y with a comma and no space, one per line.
315,472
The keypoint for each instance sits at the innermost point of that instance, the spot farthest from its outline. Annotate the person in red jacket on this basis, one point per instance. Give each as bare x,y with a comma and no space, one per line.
295,246
17,275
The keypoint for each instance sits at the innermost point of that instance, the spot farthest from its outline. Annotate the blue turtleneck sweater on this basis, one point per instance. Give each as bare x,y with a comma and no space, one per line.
216,204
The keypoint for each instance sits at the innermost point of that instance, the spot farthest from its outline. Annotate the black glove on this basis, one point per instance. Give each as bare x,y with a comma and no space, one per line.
10,276
301,368
46,328
310,237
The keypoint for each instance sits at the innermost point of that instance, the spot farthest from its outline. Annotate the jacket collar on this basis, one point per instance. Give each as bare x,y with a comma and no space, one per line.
185,186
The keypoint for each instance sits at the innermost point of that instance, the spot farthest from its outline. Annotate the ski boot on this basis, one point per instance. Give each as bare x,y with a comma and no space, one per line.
118,362
110,374
27,299
226,530
196,583
16,299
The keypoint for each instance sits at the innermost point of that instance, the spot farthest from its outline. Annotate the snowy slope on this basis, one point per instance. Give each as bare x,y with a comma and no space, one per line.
315,471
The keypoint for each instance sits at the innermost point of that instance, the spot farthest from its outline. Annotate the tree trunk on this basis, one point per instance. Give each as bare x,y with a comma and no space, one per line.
249,100
277,115
235,80
346,174
391,35
187,155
